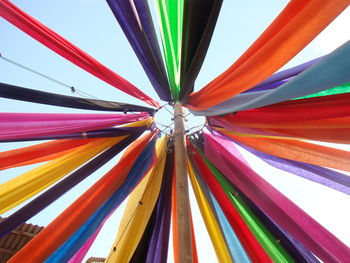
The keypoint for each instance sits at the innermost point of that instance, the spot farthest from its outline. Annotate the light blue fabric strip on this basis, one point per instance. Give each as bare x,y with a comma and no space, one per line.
333,70
236,250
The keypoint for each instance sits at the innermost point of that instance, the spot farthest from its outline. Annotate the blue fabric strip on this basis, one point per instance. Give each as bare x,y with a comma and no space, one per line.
71,246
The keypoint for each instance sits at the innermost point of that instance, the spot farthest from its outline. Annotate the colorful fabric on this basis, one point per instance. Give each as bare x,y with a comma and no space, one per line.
333,68
197,31
135,20
170,16
285,213
27,125
30,95
289,33
39,203
138,210
63,47
21,188
210,221
59,230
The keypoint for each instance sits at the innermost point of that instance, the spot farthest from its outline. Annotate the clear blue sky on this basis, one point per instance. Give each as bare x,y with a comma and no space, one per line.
90,25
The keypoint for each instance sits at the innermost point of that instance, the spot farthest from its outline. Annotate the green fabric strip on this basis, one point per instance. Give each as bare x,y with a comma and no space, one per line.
265,238
170,14
333,91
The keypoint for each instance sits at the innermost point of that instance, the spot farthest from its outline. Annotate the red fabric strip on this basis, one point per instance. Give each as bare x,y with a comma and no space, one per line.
251,245
61,46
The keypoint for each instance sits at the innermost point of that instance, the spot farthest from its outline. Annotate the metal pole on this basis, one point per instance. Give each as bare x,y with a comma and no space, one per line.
182,198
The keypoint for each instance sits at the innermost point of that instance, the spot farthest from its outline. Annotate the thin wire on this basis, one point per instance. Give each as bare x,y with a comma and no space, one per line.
168,110
35,72
73,89
140,203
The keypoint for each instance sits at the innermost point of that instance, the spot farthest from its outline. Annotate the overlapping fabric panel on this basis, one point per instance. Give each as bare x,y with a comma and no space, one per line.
38,153
76,247
54,149
170,15
291,31
266,231
345,88
139,209
251,245
27,125
237,251
61,46
297,150
215,233
23,94
321,175
158,248
104,133
281,77
40,202
280,209
59,230
135,19
329,72
299,113
197,31
20,188
265,235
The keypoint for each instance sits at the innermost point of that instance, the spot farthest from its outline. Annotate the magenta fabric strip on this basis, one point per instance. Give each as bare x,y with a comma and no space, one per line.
27,125
79,256
284,212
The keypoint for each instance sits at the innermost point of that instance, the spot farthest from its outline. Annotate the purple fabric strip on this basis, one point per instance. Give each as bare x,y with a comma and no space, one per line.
135,20
281,77
105,133
52,194
158,247
279,208
28,125
318,174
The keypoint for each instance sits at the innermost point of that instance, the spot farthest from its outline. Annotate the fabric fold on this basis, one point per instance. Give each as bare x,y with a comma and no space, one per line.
59,230
40,202
36,96
170,16
135,20
329,72
296,26
297,150
27,125
279,208
139,209
64,48
22,187
198,28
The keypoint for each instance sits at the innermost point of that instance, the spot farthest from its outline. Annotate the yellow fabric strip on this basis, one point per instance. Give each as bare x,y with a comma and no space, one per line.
146,122
213,228
139,209
20,188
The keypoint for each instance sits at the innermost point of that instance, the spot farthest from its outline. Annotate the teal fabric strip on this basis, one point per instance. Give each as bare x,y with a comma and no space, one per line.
330,72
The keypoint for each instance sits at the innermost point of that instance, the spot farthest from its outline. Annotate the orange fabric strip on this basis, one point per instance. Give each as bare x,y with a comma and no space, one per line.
59,230
38,153
298,151
299,23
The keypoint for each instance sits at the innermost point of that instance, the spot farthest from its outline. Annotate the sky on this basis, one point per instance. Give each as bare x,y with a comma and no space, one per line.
90,25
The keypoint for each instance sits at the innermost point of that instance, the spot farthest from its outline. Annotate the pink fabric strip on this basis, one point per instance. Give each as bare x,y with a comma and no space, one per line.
61,46
79,256
28,125
283,211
